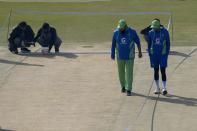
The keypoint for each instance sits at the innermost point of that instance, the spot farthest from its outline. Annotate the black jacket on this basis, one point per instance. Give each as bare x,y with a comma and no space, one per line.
53,34
26,35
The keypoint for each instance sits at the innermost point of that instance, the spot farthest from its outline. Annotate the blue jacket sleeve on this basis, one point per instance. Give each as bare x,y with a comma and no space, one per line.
167,43
113,46
149,42
136,38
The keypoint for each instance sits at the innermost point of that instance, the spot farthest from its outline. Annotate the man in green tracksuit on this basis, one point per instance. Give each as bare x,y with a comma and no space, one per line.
123,45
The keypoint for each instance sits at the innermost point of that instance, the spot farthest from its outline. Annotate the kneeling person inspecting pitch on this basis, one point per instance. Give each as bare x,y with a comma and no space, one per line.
22,36
47,38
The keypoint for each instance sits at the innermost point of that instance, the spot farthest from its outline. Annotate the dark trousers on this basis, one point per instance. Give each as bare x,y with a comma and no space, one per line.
18,43
48,43
163,73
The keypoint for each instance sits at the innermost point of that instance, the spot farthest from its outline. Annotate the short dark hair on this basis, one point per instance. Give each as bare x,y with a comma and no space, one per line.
22,24
45,26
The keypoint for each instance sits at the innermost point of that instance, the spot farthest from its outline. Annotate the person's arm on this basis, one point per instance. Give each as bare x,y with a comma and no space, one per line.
137,41
167,43
149,42
13,35
54,35
38,35
113,47
30,34
145,30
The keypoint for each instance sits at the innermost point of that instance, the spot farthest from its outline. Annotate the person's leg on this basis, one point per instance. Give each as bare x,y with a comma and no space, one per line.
156,78
57,44
50,46
13,47
121,72
27,44
20,44
17,43
24,49
24,46
42,42
156,73
164,79
163,73
163,66
129,74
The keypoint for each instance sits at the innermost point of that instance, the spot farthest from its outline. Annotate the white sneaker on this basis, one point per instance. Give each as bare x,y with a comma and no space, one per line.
164,92
157,91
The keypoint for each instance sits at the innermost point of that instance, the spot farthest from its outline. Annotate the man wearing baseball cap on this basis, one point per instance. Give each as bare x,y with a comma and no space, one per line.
146,30
123,46
158,49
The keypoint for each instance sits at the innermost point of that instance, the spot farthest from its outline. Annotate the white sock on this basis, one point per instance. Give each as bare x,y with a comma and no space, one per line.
164,85
157,84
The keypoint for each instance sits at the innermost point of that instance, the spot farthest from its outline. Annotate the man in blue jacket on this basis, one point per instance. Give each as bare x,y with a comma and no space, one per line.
159,48
123,45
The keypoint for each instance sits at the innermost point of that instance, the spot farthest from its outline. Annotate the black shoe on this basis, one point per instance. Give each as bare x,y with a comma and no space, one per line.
123,90
57,51
164,92
15,52
128,93
25,50
157,91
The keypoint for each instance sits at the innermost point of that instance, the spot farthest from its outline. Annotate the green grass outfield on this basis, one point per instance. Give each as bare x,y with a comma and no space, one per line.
77,28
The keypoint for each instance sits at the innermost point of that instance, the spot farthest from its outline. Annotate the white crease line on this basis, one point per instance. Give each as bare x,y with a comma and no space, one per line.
91,13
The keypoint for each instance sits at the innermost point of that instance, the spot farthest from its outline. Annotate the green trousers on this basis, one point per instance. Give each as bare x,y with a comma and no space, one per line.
125,70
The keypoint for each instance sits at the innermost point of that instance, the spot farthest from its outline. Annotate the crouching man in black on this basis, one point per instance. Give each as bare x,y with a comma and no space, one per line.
22,36
47,37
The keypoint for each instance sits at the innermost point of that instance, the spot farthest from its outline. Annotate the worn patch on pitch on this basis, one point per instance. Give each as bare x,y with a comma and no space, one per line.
87,46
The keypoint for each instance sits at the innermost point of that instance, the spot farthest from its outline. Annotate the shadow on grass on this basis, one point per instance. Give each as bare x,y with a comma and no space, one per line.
50,55
176,53
73,55
5,129
17,63
172,99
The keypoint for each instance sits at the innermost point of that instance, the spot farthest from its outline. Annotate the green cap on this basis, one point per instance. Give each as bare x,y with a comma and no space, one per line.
155,24
121,24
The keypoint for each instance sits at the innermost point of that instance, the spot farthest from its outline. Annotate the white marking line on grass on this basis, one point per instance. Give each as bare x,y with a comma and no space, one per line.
91,13
3,82
158,96
169,23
